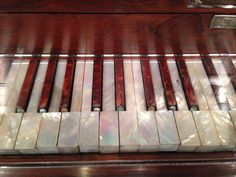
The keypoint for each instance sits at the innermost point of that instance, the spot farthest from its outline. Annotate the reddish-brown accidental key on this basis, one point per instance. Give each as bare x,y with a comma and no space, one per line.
47,86
119,85
187,85
97,85
27,86
214,80
148,86
167,85
67,86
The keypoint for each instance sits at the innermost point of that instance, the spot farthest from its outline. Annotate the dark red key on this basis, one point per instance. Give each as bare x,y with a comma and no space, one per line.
214,80
167,85
46,93
148,86
187,85
97,85
119,85
27,86
230,69
67,86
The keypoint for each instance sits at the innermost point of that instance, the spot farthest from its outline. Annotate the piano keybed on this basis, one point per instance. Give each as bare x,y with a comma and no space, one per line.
53,106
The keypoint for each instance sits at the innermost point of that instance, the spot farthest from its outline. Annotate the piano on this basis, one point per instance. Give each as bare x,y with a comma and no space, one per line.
117,88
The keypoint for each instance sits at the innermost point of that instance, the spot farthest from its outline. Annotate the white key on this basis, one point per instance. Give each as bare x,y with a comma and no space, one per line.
206,86
76,102
37,88
8,132
109,132
227,87
48,133
157,86
148,134
232,101
28,133
225,128
167,130
68,141
88,86
138,86
177,85
58,85
233,117
128,126
17,86
188,133
1,117
108,94
207,131
6,90
202,103
129,86
89,132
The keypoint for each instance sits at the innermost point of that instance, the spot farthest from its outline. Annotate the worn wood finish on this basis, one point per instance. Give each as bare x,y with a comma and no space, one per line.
119,85
114,33
214,80
103,6
155,164
97,85
167,85
230,69
148,86
187,85
67,86
27,86
46,93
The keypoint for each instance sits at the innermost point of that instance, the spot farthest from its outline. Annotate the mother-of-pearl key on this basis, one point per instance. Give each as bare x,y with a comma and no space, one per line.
68,141
167,130
128,126
157,86
188,133
48,133
89,132
28,133
37,88
8,131
207,131
148,134
109,132
232,102
225,128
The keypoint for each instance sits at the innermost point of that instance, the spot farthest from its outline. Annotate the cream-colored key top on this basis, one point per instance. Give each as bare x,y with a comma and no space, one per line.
89,132
167,130
108,89
207,131
148,134
28,133
225,128
57,87
232,102
68,141
188,133
76,100
233,117
157,86
8,132
109,132
128,126
1,117
37,88
48,133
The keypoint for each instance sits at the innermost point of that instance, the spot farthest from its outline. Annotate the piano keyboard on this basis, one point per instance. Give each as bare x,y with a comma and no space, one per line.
141,105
